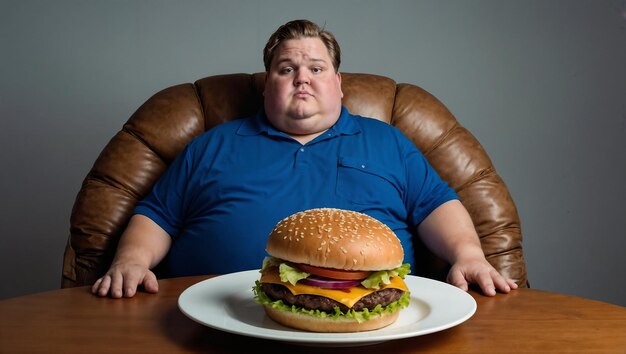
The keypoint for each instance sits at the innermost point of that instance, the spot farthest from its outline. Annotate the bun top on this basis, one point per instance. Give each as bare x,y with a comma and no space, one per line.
336,238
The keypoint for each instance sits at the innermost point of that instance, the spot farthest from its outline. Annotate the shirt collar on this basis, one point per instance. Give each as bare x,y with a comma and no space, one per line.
258,124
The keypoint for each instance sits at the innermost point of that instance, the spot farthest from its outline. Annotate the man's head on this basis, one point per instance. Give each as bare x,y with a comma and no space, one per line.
302,86
299,29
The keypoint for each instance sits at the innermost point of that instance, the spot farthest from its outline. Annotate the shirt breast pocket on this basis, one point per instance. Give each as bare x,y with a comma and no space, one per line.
364,182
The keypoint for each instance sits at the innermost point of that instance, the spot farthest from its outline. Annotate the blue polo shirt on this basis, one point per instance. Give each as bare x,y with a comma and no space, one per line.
225,192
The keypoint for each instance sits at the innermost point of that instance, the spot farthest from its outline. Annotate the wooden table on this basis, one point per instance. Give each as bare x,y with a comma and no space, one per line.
75,321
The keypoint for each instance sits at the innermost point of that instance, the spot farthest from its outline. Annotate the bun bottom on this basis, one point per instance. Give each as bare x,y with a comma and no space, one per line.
319,324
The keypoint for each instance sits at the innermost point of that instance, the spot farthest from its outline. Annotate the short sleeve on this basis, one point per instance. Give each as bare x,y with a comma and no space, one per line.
165,203
426,191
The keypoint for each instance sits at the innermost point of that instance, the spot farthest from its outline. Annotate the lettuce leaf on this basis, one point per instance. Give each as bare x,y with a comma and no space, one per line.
360,316
383,276
287,273
269,262
290,274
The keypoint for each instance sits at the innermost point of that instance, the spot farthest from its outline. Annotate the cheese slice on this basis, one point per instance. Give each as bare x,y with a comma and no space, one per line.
348,297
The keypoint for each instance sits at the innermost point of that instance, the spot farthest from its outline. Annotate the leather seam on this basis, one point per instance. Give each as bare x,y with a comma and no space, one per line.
482,174
196,91
441,139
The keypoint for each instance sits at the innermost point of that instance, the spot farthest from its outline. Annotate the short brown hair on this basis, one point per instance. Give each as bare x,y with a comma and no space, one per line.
297,29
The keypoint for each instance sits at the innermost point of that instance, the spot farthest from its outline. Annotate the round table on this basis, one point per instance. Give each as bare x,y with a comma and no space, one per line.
75,321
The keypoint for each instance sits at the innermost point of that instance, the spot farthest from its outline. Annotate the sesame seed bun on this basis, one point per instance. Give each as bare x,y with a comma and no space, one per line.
336,238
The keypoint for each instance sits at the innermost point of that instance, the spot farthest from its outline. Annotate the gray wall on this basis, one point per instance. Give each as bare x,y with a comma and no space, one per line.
542,84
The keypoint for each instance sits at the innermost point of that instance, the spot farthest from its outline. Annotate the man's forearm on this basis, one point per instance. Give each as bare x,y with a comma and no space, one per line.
142,242
449,233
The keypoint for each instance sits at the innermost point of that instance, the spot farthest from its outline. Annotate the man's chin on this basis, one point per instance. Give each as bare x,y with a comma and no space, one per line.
302,112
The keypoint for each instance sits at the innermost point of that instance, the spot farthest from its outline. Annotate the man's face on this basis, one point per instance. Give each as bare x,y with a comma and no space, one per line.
302,90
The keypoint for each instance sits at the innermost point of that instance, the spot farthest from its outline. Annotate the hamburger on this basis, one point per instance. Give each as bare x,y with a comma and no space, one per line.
333,270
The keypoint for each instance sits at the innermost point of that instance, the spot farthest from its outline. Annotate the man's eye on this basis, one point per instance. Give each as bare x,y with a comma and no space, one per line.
286,70
317,70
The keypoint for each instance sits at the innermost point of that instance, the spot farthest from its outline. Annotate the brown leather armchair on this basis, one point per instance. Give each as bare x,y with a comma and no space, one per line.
136,156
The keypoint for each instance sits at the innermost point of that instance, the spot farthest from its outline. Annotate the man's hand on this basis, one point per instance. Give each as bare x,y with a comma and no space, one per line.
480,272
142,246
123,280
448,232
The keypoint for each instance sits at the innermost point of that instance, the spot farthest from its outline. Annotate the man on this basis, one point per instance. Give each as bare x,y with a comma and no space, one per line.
213,209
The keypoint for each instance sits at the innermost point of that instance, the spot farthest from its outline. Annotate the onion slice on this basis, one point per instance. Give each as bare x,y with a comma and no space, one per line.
326,283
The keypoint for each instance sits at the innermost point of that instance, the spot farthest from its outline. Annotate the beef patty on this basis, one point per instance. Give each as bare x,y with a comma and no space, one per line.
315,302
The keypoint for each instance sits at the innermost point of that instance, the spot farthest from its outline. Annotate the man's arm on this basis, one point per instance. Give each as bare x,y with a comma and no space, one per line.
449,233
142,246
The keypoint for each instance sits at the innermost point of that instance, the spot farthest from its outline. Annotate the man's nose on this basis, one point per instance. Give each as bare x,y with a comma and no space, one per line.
302,77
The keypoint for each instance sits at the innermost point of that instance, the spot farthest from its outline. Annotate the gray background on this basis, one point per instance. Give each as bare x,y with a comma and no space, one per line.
542,84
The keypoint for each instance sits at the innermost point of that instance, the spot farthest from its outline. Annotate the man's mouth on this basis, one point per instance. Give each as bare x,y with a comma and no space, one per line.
302,94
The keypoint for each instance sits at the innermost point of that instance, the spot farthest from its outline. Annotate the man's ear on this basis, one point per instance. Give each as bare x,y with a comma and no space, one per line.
265,83
339,79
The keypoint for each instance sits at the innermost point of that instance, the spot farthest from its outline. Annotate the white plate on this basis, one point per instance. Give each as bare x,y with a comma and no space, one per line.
227,303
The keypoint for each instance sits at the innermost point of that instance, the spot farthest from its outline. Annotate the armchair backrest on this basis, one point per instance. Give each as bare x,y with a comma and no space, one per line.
150,140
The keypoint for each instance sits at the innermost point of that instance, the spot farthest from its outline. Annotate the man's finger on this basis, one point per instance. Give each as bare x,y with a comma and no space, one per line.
457,279
150,283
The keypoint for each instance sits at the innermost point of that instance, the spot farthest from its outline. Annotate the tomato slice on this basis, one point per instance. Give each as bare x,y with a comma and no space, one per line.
334,273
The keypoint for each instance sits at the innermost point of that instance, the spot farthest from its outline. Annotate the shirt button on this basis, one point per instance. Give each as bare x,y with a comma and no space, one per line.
362,166
302,149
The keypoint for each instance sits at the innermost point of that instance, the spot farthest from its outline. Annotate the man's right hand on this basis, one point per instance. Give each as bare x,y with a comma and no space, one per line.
123,280
142,246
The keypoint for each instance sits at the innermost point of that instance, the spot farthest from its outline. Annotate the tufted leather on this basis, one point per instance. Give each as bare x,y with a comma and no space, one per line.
137,155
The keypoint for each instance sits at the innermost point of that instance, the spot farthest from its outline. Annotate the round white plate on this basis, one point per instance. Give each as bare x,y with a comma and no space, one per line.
227,303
